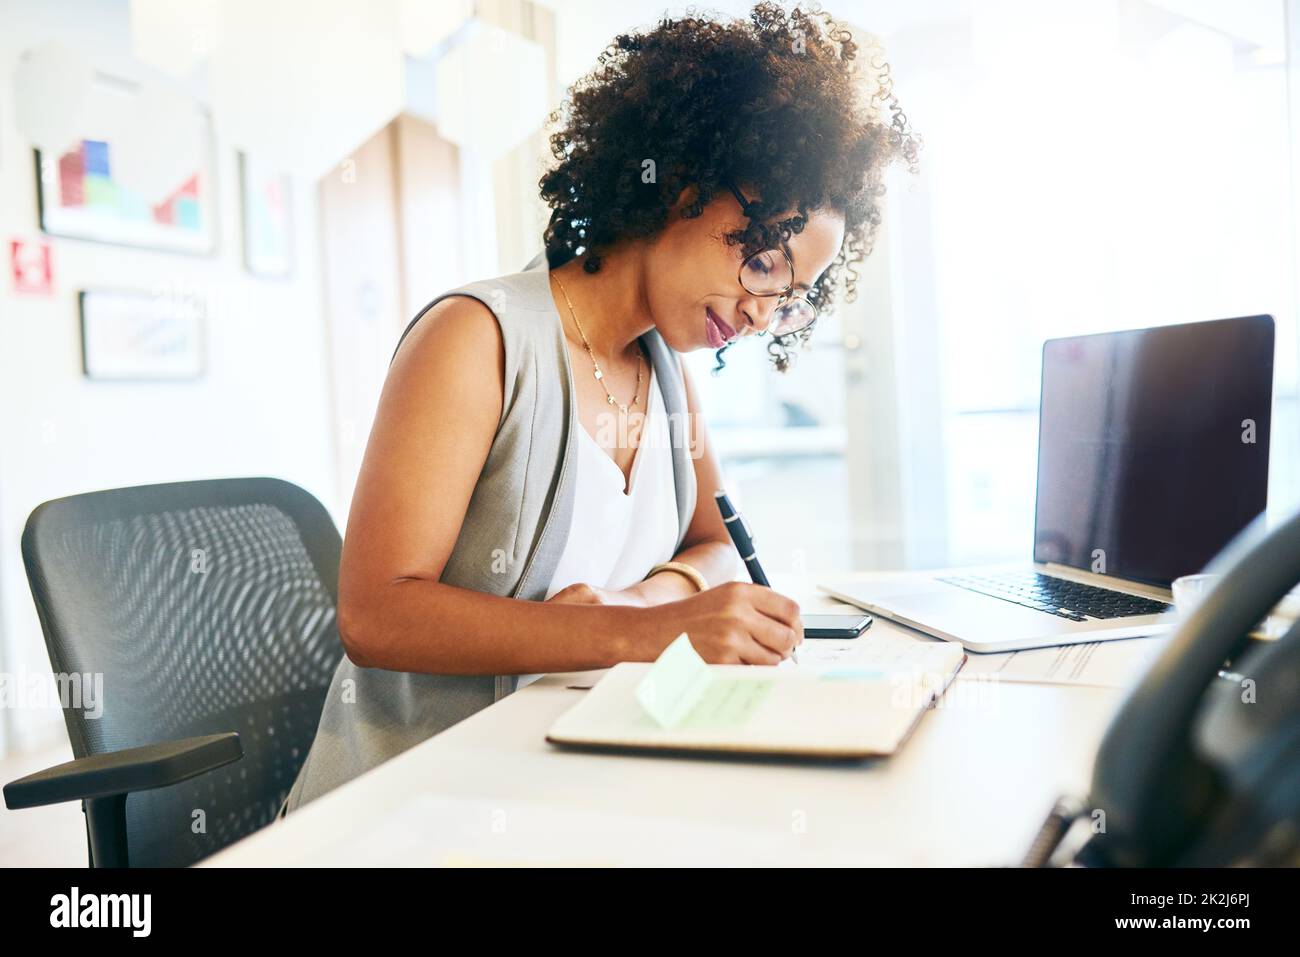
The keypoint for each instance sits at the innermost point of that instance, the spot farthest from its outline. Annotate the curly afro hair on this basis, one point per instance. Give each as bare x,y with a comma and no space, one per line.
776,102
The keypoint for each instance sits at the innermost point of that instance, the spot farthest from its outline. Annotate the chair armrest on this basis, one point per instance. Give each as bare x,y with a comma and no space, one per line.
123,772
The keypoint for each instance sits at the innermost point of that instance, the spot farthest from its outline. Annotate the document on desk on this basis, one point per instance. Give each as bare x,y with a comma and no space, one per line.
1104,664
857,708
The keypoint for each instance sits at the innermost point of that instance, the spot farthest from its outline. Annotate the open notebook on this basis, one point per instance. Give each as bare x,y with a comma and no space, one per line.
861,706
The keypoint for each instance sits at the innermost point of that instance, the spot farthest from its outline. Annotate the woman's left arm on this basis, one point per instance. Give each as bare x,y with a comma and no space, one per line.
706,547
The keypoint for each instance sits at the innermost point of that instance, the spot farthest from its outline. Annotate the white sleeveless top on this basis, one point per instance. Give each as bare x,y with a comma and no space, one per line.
617,537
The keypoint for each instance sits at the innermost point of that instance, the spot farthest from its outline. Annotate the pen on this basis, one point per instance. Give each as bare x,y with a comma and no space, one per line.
744,542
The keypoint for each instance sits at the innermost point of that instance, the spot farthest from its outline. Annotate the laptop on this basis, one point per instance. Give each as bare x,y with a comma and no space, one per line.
1152,454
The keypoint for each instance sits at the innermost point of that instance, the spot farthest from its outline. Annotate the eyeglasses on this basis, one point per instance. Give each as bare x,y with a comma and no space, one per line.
770,272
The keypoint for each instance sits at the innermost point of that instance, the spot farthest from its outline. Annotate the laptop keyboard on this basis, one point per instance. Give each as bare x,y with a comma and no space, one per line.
1058,596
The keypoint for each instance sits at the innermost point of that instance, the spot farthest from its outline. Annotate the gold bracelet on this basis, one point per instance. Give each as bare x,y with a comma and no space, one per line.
685,570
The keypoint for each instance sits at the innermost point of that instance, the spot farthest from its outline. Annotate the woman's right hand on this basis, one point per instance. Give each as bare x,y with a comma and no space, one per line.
734,623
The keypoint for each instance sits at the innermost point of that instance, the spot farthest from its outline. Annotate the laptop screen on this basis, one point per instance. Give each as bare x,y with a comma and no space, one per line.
1152,446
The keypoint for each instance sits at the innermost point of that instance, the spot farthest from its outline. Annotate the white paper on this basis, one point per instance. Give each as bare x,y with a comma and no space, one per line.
1106,664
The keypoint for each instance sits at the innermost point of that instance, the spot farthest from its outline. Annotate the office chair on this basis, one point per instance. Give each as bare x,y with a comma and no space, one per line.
209,610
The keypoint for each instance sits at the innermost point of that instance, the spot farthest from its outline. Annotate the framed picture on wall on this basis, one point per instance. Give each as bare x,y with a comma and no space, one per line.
133,182
267,218
130,335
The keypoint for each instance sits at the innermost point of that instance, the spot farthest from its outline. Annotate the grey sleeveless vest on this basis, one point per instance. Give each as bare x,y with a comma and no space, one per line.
514,532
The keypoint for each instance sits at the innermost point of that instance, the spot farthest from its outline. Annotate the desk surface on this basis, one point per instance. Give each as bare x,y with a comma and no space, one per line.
970,787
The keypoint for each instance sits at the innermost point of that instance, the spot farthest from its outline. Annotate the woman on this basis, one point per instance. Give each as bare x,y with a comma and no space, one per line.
537,491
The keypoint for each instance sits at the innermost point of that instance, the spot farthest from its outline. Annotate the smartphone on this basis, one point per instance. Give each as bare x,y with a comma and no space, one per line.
836,626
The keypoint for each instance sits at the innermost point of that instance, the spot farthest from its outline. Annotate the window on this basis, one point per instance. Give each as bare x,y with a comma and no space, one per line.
1088,167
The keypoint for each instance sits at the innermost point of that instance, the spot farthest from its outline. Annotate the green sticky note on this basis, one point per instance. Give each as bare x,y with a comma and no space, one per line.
675,684
727,704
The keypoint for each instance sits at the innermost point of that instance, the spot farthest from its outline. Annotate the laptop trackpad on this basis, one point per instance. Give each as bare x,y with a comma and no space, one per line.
969,615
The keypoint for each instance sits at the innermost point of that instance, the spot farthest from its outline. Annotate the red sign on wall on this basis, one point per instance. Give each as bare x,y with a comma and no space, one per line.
32,265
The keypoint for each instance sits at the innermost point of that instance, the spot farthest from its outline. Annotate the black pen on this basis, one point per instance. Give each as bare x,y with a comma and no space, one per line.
744,542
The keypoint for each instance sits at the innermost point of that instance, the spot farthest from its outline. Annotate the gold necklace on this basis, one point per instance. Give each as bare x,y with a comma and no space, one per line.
598,374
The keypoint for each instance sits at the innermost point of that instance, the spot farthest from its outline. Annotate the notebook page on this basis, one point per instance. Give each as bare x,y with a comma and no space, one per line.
864,706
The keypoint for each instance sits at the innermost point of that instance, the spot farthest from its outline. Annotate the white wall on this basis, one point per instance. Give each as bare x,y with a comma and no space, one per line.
261,409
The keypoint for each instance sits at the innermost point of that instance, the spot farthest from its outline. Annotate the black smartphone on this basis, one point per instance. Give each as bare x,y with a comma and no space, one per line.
836,626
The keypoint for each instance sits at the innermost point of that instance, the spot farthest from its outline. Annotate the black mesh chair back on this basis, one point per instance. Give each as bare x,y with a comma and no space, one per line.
206,607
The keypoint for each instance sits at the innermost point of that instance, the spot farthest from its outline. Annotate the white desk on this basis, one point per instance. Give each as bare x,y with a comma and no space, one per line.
970,787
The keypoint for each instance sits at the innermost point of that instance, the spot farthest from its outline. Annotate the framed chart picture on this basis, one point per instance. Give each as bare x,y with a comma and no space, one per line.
267,218
129,335
83,193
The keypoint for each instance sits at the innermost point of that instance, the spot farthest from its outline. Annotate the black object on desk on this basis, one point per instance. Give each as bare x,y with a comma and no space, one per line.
739,533
836,626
